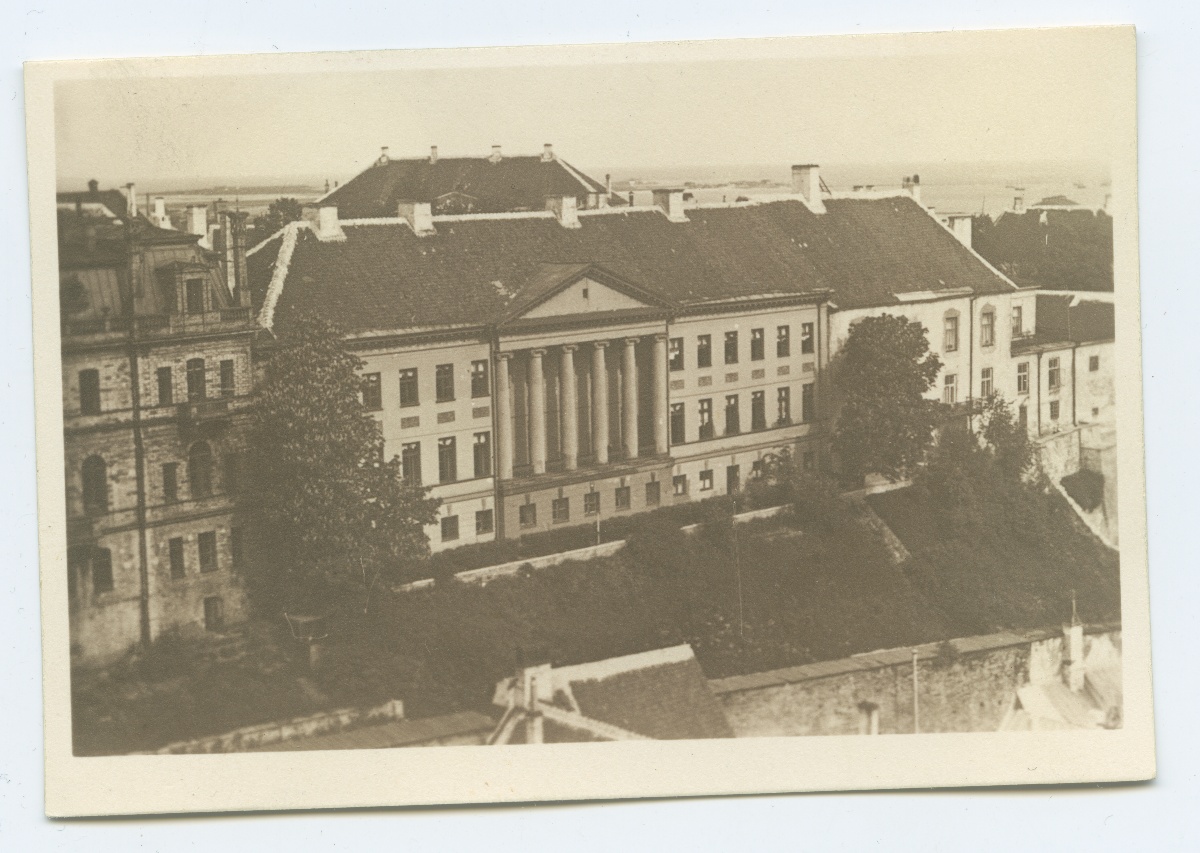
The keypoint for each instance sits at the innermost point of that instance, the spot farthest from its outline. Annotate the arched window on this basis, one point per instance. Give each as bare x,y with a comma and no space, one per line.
200,466
95,486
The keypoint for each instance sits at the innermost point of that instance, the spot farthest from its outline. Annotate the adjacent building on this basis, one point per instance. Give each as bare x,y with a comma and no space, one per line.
156,357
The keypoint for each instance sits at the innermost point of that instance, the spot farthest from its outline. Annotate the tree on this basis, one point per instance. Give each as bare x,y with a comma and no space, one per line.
1007,439
332,516
279,213
882,374
814,497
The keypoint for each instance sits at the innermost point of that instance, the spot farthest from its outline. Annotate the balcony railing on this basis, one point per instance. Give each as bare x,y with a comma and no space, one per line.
148,325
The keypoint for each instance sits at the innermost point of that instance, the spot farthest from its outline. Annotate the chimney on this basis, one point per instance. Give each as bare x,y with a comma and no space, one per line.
94,187
432,154
327,186
131,196
960,224
495,158
913,187
566,209
806,181
419,215
197,222
671,202
160,212
547,153
1019,202
328,227
238,281
383,156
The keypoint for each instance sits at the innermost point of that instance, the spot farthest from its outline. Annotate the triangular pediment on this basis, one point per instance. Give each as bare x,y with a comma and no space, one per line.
566,290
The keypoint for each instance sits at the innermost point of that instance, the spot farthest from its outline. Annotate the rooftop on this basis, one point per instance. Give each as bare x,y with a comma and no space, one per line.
1067,320
865,252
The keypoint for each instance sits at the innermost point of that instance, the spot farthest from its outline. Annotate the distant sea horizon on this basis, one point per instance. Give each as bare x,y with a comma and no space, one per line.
959,187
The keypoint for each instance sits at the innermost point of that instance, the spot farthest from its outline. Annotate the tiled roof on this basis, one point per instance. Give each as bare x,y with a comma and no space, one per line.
392,734
512,183
1069,319
384,277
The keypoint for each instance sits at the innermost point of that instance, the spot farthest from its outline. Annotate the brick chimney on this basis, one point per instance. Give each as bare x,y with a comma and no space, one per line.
565,208
432,154
806,182
496,157
419,215
671,202
912,185
547,153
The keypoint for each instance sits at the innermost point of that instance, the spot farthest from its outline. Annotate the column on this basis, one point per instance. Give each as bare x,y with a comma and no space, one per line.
537,411
600,402
570,409
629,387
504,421
660,395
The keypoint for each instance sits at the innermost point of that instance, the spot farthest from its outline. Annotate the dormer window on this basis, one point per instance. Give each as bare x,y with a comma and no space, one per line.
193,296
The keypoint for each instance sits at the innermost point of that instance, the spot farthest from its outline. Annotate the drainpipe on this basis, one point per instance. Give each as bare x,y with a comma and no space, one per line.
139,451
497,501
971,363
1074,413
1039,393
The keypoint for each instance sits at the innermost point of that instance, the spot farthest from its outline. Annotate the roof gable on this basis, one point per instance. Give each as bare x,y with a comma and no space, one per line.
560,290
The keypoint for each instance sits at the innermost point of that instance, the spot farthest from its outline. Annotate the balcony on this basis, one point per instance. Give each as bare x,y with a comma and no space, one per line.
142,326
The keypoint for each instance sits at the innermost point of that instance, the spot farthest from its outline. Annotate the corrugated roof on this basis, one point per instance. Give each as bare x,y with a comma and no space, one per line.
864,250
512,183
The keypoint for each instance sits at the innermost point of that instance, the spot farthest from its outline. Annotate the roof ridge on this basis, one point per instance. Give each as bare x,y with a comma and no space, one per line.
266,317
598,670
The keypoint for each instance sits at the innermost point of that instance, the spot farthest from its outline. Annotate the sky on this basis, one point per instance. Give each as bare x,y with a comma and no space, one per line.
1044,100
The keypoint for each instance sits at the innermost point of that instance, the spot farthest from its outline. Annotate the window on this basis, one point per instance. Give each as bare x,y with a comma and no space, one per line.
102,573
706,480
214,613
731,347
410,462
757,344
1053,377
444,382
480,386
193,290
985,383
233,472
621,498
372,393
89,392
170,481
675,354
704,351
653,493
784,406
591,503
1093,363
95,486
175,556
758,410
783,341
950,338
679,485
200,469
449,528
950,389
987,329
1054,410
484,522
677,424
560,510
756,469
528,515
808,403
196,380
706,419
408,387
733,478
806,338
1018,328
483,454
1023,378
166,387
206,544
732,421
447,460
236,554
227,377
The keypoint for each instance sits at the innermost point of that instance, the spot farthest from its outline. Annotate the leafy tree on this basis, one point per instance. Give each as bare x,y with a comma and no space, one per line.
815,497
1054,249
882,374
1007,439
333,517
279,213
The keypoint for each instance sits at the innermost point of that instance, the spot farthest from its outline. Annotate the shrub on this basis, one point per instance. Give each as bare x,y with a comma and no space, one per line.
658,547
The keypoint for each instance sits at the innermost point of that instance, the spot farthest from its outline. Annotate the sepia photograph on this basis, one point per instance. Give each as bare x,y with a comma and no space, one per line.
766,397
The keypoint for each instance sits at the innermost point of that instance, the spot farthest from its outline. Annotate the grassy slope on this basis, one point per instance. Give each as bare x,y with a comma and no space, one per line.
811,594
